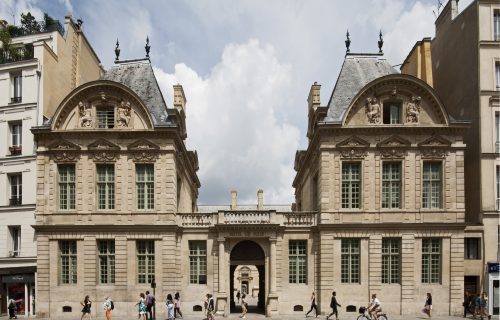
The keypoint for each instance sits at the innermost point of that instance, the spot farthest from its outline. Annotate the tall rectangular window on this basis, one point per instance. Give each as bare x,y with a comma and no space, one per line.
351,185
432,187
105,117
68,263
496,25
145,261
198,262
105,186
17,84
16,189
497,132
497,75
391,250
391,185
106,261
498,187
66,186
15,241
350,261
431,260
472,248
392,113
145,185
16,137
297,261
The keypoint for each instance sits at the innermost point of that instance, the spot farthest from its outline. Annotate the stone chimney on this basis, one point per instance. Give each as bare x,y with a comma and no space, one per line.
179,98
314,97
233,199
260,200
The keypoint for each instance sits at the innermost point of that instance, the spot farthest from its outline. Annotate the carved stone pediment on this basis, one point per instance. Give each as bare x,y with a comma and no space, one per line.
433,153
102,144
143,151
435,142
353,153
64,151
392,153
103,150
394,142
353,142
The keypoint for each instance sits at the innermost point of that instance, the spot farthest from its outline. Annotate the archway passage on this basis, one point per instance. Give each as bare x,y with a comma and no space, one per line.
248,257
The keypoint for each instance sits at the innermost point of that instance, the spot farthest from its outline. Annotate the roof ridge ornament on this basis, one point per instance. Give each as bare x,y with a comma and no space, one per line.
147,47
117,51
380,42
347,42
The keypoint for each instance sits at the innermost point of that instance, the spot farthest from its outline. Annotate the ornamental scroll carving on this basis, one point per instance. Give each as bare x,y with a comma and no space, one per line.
145,156
354,153
85,111
65,156
436,153
104,155
124,112
372,110
413,109
393,153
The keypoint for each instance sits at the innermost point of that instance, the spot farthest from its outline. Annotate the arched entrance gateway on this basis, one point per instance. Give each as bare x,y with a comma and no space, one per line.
249,259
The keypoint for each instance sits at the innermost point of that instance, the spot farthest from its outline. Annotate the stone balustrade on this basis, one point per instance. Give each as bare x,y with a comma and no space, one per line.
251,217
289,219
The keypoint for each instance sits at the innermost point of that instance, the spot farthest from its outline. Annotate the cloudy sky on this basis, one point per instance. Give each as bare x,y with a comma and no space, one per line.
246,68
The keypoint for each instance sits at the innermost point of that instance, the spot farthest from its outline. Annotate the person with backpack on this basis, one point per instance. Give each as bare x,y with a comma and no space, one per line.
12,309
108,306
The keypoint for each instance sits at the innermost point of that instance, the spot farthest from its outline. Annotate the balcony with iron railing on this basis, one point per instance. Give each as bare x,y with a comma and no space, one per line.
16,201
36,27
15,54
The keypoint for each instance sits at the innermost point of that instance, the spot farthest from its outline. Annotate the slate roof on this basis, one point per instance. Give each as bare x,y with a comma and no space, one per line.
138,75
357,71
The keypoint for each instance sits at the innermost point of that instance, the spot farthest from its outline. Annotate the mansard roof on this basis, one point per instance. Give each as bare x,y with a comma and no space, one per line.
138,75
357,70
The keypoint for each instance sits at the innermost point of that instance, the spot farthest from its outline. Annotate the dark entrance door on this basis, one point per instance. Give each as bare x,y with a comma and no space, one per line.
248,253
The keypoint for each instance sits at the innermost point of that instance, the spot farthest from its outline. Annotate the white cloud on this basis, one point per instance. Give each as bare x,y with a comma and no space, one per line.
67,4
10,10
232,123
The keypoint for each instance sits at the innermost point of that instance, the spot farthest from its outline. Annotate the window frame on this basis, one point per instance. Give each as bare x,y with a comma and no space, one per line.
297,261
69,190
348,186
497,184
388,109
107,261
388,183
429,258
17,87
148,256
72,265
145,189
391,261
496,25
16,188
15,241
105,188
350,256
474,254
197,262
431,204
497,131
105,117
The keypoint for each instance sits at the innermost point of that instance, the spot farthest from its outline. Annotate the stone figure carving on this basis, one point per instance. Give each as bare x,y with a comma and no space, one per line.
124,112
372,110
413,109
85,115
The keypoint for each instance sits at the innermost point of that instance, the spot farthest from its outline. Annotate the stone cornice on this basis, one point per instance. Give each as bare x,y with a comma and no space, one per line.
134,228
402,227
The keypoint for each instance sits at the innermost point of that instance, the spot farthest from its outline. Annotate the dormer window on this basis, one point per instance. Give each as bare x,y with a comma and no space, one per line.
392,113
105,117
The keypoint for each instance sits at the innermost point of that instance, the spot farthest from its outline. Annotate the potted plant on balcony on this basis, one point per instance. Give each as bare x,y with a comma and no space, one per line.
14,150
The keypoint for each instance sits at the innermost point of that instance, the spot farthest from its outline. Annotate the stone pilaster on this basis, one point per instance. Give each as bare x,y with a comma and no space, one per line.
408,270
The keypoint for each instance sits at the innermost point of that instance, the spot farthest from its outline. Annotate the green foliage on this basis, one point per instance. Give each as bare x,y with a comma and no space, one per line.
5,39
29,23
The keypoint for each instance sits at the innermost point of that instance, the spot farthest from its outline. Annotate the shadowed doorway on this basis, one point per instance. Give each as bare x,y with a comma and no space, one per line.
249,256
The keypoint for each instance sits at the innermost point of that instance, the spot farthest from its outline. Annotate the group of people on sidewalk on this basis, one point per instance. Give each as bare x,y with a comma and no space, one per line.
145,306
476,304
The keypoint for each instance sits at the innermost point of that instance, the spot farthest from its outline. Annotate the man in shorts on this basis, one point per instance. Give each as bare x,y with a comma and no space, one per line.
374,307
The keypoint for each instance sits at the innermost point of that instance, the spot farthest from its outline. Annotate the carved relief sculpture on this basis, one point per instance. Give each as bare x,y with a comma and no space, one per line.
413,109
85,115
124,112
372,109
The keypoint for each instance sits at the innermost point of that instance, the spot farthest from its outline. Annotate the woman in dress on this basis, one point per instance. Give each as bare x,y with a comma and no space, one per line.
428,305
170,307
142,306
177,305
87,304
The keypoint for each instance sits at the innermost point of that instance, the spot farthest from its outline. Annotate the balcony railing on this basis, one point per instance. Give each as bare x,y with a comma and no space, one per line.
16,54
15,150
15,201
37,27
16,99
247,217
289,219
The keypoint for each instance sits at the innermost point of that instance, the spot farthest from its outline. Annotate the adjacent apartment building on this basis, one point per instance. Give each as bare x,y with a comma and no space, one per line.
40,67
380,203
462,63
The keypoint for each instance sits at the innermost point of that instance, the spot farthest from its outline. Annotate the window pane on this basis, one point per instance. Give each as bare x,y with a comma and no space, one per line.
350,261
66,186
106,261
106,186
197,262
431,260
431,192
391,185
105,117
68,262
351,185
145,186
390,260
297,261
145,261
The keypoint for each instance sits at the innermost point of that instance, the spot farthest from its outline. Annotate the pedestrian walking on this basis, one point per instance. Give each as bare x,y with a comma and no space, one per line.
11,305
313,305
477,309
428,305
86,310
484,306
210,307
177,305
141,306
108,306
334,304
466,303
244,306
205,307
238,295
170,307
150,302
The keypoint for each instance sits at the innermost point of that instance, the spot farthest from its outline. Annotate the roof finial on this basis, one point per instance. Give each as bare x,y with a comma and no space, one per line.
147,47
380,42
117,51
347,42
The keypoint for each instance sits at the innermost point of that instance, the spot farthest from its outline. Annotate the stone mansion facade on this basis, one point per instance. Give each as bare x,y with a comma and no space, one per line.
379,202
